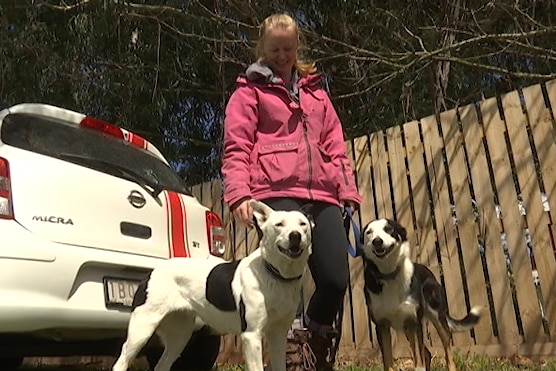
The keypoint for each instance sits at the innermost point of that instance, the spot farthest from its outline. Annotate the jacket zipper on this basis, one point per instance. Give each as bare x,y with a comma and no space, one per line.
309,156
306,140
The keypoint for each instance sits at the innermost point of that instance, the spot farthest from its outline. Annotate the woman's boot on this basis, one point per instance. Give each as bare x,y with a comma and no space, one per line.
322,348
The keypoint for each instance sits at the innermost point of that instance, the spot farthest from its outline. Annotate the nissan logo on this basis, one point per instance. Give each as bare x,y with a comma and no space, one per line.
136,199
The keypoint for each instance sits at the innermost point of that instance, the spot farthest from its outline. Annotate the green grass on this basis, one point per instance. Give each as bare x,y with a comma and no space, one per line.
467,363
464,363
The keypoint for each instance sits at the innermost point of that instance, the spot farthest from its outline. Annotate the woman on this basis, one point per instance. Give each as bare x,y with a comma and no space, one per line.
284,145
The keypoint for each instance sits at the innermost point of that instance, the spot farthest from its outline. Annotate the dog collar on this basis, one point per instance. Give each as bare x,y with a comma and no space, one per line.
274,272
387,276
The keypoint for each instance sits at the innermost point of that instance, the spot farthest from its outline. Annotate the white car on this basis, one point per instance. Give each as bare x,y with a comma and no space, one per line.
87,209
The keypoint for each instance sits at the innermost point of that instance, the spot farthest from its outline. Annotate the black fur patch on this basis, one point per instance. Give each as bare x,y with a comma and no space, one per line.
242,315
140,296
396,230
372,283
424,283
218,290
308,210
432,295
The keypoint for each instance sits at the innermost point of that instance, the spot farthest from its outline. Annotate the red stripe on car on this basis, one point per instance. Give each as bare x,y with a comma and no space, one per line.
176,225
137,140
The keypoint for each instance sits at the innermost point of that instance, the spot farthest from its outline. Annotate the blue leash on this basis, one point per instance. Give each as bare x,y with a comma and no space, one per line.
349,222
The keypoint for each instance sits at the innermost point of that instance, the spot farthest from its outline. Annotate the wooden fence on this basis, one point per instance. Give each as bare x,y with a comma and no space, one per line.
475,187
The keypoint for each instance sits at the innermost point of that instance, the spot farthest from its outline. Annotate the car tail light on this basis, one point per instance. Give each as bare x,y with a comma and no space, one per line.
215,234
105,127
6,211
102,126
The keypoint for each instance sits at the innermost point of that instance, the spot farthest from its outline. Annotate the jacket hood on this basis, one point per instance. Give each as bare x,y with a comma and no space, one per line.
261,73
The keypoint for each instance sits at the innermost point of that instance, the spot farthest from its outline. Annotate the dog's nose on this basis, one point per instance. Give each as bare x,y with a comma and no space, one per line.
377,242
295,238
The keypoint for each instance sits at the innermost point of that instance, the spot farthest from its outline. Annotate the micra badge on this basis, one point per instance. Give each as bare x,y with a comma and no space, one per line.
52,219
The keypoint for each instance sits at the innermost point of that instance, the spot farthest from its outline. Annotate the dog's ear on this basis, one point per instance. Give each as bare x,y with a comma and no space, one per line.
359,246
403,234
399,231
261,212
362,234
307,210
257,228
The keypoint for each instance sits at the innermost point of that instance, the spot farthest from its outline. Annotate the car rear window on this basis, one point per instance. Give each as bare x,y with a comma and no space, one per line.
88,147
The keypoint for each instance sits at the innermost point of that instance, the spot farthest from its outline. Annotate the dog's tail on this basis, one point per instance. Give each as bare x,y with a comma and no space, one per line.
466,323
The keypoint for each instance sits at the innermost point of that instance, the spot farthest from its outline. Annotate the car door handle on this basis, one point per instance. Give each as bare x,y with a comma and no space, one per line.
135,230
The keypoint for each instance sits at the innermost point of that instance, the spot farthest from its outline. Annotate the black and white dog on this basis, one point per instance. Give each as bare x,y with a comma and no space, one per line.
254,297
402,294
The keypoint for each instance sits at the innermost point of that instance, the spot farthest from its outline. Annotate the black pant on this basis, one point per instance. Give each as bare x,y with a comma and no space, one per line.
328,262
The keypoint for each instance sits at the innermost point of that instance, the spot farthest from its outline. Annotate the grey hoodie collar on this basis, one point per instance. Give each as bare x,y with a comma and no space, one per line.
262,73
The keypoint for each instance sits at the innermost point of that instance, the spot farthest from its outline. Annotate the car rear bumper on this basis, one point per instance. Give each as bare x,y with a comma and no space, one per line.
50,286
58,318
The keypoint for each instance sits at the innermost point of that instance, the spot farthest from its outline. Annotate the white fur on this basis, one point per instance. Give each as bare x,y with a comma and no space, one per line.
176,296
393,304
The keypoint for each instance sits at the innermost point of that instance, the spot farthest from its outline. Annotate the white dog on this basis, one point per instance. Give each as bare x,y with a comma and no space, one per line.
254,297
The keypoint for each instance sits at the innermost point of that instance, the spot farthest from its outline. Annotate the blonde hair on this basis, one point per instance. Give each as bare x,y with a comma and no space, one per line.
283,21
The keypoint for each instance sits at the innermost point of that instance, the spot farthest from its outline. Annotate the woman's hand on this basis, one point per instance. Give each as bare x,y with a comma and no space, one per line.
348,203
243,212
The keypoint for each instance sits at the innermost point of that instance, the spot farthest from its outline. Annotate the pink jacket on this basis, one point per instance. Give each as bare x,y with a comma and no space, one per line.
275,147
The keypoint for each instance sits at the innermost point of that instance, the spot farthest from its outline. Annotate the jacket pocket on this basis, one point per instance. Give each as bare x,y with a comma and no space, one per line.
278,163
326,173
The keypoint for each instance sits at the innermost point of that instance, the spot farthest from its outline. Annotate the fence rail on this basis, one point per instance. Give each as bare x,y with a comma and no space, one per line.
475,187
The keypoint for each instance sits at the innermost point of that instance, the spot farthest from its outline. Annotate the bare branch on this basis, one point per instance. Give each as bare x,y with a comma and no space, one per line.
496,69
65,8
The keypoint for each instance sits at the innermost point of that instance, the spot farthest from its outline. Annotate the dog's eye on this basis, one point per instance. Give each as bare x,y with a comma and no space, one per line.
303,224
279,224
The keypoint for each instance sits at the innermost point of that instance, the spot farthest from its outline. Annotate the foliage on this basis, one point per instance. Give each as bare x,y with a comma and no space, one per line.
165,68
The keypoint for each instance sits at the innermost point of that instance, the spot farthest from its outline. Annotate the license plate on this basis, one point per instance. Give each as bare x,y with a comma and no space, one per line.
119,292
